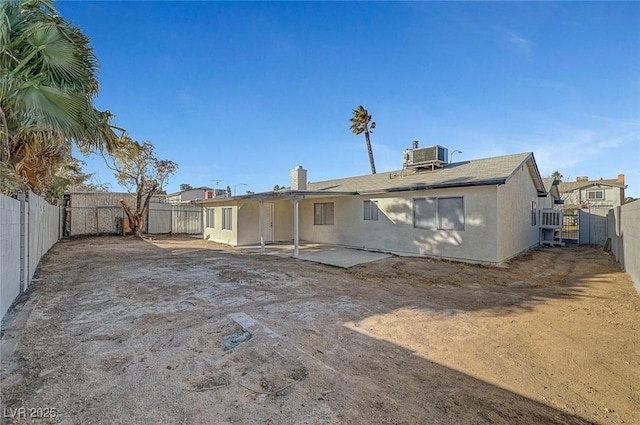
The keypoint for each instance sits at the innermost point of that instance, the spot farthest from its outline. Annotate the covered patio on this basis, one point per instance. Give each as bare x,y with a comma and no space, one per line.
264,219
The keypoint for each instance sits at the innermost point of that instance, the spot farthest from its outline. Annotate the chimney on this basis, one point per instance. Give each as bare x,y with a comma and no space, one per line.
582,179
299,178
621,178
415,144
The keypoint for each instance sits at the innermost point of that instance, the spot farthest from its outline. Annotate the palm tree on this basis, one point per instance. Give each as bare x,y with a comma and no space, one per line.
557,176
47,86
361,123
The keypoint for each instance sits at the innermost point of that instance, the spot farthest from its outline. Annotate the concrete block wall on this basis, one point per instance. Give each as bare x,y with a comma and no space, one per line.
96,213
24,239
44,229
9,252
625,238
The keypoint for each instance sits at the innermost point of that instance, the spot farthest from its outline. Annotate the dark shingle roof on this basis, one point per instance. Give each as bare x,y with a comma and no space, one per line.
479,172
494,170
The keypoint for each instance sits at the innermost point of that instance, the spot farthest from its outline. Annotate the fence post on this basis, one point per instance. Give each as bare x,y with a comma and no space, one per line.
60,218
24,240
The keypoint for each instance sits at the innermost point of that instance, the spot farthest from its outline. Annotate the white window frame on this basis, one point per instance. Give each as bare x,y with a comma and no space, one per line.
436,222
370,210
595,197
227,218
323,213
211,218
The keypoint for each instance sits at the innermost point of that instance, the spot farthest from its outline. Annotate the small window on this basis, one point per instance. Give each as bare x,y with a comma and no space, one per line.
371,210
451,213
227,218
323,213
424,213
533,213
211,217
595,195
438,213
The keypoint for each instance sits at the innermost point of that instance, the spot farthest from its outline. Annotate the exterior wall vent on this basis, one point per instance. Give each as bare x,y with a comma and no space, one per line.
430,157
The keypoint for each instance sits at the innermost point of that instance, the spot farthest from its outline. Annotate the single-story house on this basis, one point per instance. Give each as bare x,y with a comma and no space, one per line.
481,211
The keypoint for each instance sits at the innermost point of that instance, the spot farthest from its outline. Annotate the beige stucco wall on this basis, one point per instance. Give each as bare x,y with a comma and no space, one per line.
217,233
247,213
497,223
283,220
394,231
249,218
249,232
515,232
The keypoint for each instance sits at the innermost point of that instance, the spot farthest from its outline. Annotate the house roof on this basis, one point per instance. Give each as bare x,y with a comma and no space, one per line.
488,171
480,172
551,185
189,190
571,186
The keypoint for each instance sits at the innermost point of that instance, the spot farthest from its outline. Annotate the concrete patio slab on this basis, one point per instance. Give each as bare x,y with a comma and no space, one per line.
332,255
342,257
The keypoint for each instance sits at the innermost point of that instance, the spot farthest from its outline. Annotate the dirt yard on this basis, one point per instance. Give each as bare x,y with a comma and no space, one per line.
183,331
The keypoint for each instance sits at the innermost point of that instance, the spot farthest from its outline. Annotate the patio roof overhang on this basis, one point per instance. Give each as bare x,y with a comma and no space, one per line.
294,196
443,185
280,195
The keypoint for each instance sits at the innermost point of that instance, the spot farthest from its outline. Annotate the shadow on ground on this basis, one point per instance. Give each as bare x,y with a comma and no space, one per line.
121,327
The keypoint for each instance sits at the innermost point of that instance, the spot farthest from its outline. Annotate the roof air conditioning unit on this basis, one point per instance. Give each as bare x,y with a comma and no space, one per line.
430,157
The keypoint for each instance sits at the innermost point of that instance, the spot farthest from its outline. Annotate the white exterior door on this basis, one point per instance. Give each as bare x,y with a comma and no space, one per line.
268,222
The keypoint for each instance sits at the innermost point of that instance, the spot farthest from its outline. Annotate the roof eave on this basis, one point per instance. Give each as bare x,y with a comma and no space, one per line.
491,182
530,162
277,195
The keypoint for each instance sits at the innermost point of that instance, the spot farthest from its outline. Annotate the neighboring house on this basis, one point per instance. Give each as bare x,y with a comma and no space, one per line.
587,204
584,193
481,211
190,194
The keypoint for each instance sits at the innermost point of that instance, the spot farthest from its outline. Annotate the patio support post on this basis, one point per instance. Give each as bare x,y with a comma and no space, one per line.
296,230
261,226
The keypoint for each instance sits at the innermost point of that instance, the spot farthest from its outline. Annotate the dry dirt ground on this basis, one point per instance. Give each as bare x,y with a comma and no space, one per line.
183,331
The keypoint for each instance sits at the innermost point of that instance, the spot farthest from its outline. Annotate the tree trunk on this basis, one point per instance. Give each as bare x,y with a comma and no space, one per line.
134,219
370,151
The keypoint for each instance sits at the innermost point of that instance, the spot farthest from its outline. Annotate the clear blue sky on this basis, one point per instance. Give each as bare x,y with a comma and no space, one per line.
243,92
